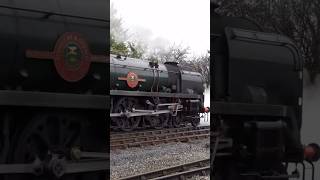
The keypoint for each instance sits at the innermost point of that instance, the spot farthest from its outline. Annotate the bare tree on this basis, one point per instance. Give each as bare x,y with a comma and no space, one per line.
117,32
199,64
175,53
297,19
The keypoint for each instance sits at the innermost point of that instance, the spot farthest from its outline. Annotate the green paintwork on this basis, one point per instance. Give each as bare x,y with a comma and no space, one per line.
191,81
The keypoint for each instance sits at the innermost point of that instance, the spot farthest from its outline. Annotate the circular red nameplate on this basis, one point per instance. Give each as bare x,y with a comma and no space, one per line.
72,56
132,79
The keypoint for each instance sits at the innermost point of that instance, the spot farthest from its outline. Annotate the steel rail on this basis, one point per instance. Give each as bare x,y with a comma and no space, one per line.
114,136
183,175
158,137
183,170
155,142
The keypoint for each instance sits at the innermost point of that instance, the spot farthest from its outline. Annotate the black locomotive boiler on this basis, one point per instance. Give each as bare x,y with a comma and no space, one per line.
257,102
150,94
53,64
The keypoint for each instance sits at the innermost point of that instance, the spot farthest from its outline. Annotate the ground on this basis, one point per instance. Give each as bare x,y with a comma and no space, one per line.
139,160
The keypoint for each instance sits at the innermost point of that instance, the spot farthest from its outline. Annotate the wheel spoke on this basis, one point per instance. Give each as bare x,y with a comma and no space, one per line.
43,134
40,136
40,139
176,121
72,137
62,131
126,105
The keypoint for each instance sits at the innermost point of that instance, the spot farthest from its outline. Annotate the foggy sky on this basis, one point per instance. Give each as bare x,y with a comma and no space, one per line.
164,22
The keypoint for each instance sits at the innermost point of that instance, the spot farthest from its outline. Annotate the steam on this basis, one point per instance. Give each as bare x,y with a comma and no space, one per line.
151,43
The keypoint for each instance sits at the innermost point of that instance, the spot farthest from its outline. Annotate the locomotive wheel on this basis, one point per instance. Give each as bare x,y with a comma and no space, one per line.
154,122
126,105
164,119
195,122
44,135
176,121
158,122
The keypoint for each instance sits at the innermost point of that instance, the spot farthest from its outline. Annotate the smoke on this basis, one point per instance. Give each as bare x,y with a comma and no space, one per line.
145,38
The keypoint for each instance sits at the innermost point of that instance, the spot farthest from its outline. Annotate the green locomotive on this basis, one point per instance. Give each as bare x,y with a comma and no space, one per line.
149,94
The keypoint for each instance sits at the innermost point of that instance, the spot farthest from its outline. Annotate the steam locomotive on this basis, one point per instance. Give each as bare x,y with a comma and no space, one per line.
257,101
53,89
147,94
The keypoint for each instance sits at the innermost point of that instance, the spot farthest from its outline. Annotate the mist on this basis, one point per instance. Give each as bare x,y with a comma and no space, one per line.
169,20
148,40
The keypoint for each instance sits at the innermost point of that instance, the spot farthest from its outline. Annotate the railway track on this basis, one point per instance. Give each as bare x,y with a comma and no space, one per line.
147,138
201,167
116,135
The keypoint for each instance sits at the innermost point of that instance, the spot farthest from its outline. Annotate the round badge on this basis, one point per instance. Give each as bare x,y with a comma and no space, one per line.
72,56
132,79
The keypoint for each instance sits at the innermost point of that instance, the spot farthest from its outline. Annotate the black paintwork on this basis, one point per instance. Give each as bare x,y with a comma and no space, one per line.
257,93
37,30
169,77
155,94
32,92
53,100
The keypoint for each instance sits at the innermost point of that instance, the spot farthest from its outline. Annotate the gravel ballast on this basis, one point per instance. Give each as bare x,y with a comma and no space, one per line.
134,161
